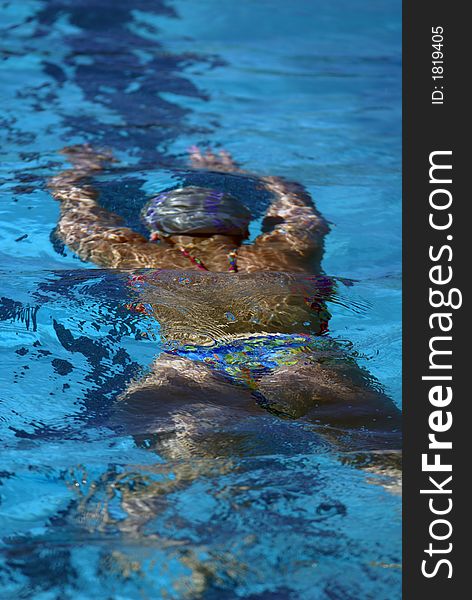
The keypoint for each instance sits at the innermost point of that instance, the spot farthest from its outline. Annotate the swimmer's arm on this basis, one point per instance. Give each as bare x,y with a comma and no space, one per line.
293,235
92,232
222,161
292,220
292,210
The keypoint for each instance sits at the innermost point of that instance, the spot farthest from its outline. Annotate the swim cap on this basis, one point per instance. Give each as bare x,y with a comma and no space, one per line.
196,210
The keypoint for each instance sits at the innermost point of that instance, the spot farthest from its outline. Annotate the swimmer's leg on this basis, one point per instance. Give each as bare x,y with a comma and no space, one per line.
184,411
347,409
181,401
338,394
92,232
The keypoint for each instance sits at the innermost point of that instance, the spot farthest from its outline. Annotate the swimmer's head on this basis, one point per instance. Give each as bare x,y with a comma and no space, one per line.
196,211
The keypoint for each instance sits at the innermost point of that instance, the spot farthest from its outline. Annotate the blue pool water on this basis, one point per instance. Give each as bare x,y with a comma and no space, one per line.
308,90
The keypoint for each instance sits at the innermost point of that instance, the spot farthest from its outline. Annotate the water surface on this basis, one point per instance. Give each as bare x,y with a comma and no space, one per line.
307,90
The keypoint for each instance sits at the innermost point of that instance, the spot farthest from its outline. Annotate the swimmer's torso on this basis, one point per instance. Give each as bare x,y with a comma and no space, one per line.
204,308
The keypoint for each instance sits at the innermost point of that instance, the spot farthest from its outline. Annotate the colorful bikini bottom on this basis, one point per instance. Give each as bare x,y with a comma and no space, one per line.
248,359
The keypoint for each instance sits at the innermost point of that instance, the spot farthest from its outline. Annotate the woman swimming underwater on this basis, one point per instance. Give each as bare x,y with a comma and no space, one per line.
233,315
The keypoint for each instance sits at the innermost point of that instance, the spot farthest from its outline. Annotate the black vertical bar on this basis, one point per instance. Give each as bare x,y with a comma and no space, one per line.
435,127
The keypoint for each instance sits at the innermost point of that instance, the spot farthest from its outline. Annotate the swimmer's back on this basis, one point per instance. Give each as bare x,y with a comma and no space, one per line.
201,307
